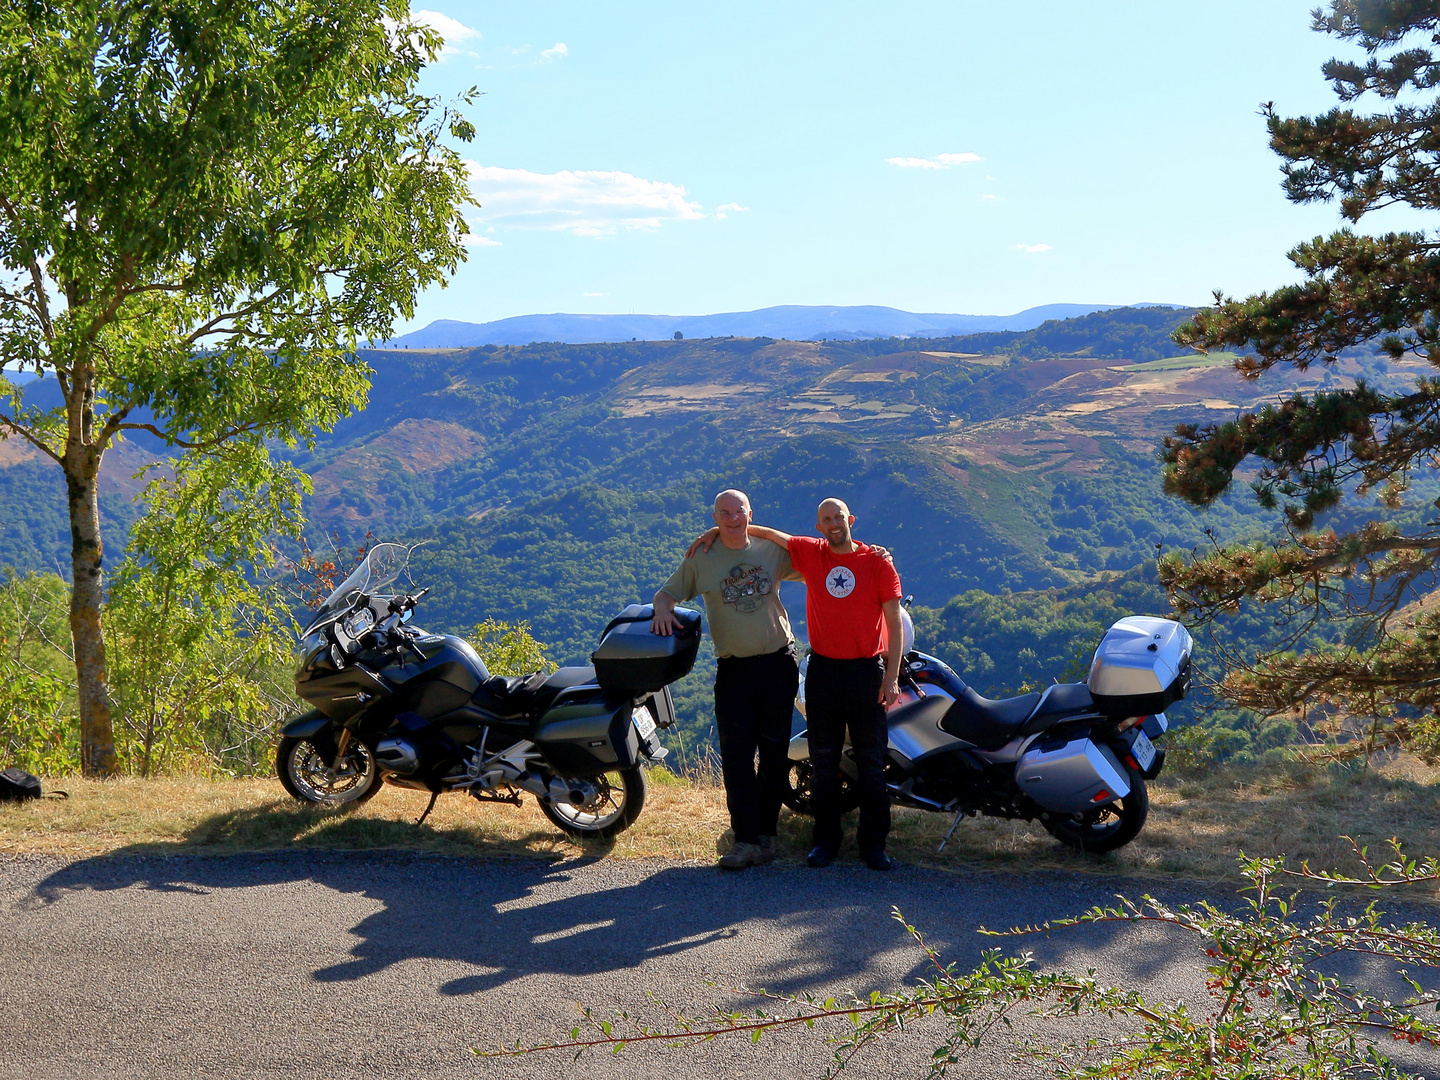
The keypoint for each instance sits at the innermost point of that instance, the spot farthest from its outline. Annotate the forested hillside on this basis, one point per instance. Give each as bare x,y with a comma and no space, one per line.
557,483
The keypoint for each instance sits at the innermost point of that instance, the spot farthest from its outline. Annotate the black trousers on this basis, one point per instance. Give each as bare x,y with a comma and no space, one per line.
754,699
841,695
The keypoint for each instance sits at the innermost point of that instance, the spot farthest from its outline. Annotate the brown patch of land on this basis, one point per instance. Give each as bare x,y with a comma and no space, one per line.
415,446
427,446
14,450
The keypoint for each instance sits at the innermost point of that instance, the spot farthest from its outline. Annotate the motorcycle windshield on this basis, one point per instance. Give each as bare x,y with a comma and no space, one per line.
380,569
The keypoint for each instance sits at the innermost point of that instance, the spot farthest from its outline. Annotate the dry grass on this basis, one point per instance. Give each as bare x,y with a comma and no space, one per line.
1196,826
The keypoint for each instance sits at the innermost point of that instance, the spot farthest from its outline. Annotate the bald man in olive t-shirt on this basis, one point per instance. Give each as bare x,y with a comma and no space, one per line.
757,672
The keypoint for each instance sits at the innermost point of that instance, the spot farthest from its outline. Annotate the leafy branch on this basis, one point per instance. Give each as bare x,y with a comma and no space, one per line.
1275,1008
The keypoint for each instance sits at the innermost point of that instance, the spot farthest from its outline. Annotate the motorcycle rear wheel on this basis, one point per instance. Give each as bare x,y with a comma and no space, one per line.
620,798
1111,826
304,768
799,794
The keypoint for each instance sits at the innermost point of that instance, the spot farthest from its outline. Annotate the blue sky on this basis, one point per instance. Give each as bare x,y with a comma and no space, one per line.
966,157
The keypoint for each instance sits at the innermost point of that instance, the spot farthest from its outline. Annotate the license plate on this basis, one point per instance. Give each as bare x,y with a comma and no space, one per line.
1144,750
645,723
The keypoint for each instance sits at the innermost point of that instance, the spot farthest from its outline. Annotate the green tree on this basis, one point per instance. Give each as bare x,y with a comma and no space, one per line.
36,706
197,620
1337,463
203,208
509,648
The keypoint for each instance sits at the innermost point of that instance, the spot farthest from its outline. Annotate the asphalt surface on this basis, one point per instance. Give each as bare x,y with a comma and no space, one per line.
393,965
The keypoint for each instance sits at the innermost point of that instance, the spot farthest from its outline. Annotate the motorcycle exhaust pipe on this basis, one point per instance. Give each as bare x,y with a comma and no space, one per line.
556,790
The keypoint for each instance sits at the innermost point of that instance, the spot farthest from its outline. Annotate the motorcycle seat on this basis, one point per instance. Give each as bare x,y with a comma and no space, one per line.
1059,702
517,697
985,723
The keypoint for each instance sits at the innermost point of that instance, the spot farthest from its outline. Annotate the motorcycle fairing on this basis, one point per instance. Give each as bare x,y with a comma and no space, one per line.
916,732
343,693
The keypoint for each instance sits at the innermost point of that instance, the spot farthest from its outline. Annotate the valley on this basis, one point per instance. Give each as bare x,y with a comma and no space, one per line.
556,483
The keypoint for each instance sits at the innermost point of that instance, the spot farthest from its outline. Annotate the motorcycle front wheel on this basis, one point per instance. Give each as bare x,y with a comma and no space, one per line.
799,793
306,770
1111,826
619,798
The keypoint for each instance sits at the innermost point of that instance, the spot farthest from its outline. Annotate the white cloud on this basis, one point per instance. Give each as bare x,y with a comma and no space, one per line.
582,202
558,51
990,197
595,294
455,33
476,240
735,206
1033,249
939,161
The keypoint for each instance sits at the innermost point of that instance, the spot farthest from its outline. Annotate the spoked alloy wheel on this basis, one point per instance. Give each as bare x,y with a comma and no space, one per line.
1110,827
305,769
800,792
619,798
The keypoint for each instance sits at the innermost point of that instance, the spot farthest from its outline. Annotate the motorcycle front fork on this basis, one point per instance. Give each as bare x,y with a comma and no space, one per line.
344,743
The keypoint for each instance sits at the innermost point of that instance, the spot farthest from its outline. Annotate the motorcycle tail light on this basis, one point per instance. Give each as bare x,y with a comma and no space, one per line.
1131,721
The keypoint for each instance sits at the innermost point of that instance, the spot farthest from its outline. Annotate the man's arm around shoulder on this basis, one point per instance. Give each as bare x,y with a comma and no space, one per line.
775,536
706,539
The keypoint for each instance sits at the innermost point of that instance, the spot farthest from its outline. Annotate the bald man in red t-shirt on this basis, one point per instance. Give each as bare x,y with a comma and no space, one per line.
852,611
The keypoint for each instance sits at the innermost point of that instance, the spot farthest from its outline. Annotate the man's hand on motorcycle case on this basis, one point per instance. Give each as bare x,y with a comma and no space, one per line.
664,623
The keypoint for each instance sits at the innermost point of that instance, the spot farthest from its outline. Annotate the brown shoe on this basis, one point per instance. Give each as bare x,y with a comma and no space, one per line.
767,849
741,856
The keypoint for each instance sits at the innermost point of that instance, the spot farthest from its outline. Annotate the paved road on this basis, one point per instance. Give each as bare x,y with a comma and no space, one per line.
391,965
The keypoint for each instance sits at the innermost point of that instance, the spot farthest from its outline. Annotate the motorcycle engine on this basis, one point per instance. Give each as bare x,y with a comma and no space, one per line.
398,756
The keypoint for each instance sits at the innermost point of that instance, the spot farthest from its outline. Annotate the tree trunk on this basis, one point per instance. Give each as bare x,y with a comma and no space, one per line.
97,735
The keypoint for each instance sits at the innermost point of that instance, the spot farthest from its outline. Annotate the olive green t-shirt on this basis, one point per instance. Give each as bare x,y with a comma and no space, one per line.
741,587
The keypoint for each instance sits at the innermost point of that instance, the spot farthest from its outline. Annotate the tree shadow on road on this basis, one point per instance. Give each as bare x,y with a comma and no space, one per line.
550,913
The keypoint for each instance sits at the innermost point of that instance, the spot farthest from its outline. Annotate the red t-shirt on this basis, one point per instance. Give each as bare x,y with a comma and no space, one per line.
844,597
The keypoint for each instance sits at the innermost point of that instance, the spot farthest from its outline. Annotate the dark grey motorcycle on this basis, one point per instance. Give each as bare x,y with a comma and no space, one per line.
395,704
1075,757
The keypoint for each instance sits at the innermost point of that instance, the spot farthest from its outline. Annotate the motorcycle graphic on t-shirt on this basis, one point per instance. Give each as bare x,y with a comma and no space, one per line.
745,587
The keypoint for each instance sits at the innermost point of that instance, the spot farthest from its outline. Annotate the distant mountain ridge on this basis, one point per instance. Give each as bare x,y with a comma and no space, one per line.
793,322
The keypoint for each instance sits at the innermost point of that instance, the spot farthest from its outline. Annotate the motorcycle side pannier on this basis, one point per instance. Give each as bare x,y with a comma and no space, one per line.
1141,666
590,738
633,659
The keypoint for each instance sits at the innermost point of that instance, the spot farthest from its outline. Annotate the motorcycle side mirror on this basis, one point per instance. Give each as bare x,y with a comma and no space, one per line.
406,617
908,601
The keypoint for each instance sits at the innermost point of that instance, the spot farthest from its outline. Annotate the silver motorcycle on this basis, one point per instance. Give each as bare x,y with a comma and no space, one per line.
1075,757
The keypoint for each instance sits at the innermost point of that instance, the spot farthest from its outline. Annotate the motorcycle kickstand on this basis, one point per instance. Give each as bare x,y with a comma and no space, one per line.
958,815
433,796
